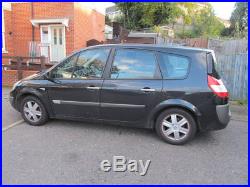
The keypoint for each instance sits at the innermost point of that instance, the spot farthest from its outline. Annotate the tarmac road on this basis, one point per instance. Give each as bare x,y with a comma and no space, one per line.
66,152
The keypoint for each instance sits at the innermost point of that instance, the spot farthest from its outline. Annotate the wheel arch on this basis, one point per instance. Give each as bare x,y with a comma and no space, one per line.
40,94
174,103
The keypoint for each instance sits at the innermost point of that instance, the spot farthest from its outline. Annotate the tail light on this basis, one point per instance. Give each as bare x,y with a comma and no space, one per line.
217,87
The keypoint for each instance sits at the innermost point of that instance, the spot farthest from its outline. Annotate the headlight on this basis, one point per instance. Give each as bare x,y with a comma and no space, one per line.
16,84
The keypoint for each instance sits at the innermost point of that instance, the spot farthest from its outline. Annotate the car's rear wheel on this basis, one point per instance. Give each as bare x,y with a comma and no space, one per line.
33,111
176,126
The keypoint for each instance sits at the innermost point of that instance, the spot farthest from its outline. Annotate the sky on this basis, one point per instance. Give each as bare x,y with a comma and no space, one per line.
99,6
222,9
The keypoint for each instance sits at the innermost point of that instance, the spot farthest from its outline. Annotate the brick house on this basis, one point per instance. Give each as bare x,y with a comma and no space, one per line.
53,30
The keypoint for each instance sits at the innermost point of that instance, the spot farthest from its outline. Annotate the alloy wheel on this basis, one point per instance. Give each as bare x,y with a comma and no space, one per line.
32,111
175,127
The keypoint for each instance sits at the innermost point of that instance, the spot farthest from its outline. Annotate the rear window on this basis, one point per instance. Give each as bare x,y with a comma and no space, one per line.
174,66
212,66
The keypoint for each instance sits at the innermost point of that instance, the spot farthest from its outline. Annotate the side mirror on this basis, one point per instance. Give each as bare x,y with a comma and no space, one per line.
48,76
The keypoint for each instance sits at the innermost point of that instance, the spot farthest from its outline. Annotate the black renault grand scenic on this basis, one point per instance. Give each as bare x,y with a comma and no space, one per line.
174,90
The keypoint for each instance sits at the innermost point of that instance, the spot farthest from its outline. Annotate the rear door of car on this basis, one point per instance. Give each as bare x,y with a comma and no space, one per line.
132,86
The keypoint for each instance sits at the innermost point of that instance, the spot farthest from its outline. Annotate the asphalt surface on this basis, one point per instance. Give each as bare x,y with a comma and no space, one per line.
66,152
9,115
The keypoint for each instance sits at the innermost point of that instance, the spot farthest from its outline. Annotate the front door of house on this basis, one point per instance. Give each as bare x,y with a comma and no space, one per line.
58,51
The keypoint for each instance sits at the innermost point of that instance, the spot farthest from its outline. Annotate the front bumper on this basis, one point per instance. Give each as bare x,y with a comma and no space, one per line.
11,99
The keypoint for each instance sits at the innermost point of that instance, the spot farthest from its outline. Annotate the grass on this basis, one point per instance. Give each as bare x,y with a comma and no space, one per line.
241,102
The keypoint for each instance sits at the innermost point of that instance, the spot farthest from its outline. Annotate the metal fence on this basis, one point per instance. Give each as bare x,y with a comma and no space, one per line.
234,72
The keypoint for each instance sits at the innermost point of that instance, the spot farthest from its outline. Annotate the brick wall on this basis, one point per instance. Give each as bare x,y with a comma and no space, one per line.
9,77
84,24
22,29
8,35
56,10
21,15
88,24
28,73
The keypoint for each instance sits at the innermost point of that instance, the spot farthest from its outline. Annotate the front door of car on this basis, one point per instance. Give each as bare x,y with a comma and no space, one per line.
132,88
75,87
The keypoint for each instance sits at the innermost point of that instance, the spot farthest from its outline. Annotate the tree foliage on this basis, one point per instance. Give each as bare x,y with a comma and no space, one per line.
107,20
239,20
151,15
206,23
141,15
188,13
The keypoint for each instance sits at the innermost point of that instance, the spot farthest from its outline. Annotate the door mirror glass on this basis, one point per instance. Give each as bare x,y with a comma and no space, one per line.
47,75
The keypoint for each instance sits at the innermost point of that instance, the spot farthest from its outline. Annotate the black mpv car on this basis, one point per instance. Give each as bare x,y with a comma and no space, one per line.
174,90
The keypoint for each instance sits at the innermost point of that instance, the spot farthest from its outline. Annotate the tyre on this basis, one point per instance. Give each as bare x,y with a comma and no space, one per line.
176,126
33,111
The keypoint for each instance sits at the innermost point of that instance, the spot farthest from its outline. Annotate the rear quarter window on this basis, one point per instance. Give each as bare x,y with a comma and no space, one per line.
212,66
174,66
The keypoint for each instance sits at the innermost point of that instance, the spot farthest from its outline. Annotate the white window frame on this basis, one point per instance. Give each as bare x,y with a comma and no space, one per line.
41,37
3,33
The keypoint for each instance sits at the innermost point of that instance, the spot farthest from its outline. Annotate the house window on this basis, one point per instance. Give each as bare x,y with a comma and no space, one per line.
3,33
44,35
60,36
44,41
55,37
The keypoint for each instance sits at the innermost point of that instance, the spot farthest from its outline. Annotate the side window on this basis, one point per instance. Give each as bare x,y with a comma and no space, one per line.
91,63
174,66
212,65
134,64
65,69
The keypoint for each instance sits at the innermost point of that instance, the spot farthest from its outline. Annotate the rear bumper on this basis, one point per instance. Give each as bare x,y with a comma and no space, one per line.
218,118
223,114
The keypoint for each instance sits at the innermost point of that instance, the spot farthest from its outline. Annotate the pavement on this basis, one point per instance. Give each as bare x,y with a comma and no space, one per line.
9,114
66,152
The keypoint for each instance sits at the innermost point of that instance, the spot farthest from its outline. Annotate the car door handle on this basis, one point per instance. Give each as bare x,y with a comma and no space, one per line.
148,90
93,88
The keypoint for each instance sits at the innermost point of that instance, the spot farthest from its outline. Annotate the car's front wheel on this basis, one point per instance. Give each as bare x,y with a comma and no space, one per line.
33,111
175,126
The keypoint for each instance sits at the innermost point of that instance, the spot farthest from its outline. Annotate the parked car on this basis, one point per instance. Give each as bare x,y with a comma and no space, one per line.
174,90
